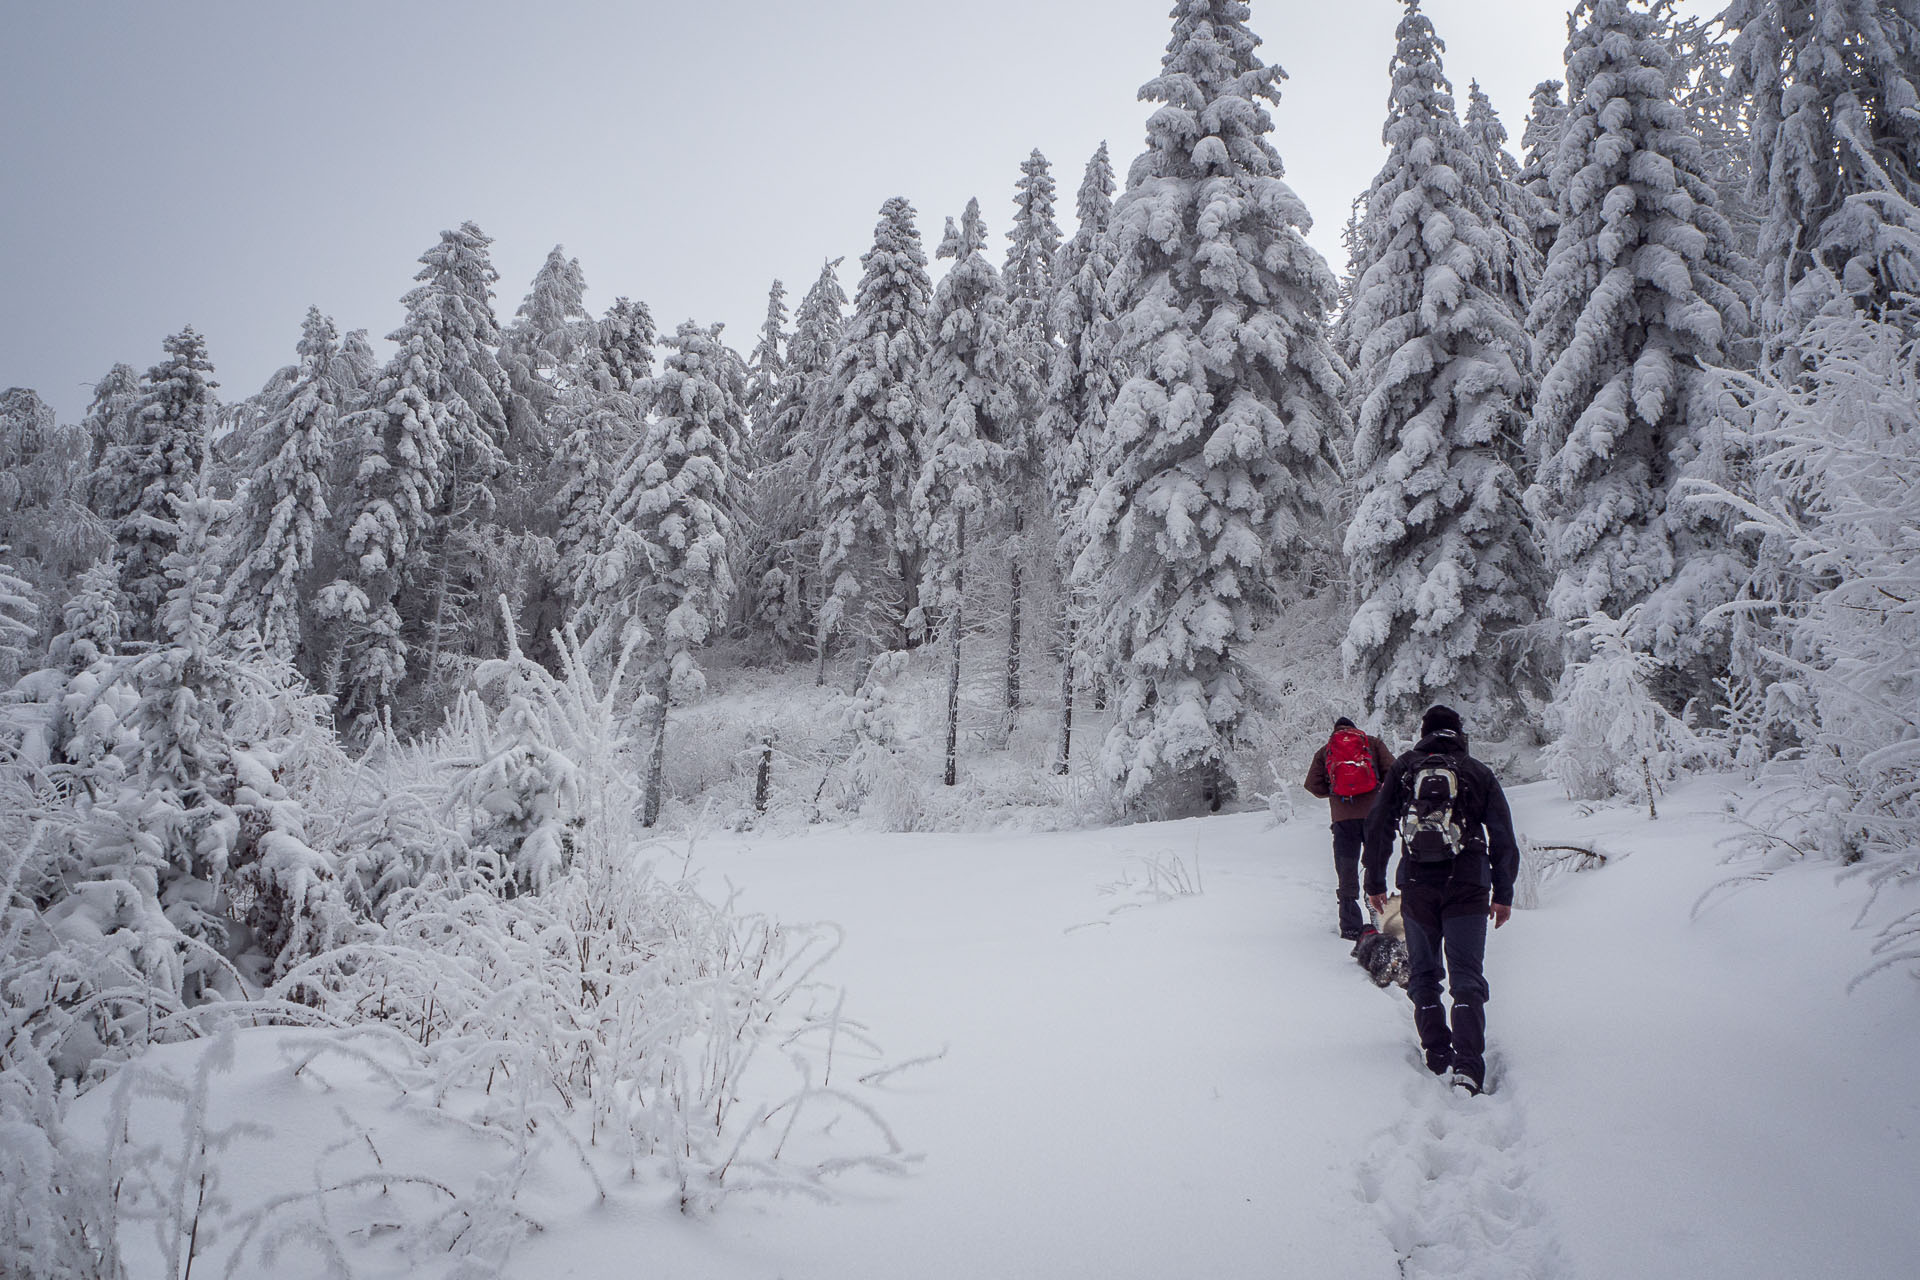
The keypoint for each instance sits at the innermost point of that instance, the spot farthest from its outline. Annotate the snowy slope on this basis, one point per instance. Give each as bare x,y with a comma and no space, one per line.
1207,1086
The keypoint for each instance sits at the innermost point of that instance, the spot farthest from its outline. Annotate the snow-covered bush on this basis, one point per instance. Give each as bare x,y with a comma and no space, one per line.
1612,735
1834,499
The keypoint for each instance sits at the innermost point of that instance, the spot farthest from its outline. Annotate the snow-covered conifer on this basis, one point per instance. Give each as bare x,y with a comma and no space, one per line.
419,432
1441,556
969,382
1518,261
1219,453
782,581
874,419
538,349
111,490
1835,113
605,416
624,346
447,353
1487,133
1029,274
173,420
1029,279
1085,377
18,614
1642,293
758,500
766,371
284,503
1539,144
666,567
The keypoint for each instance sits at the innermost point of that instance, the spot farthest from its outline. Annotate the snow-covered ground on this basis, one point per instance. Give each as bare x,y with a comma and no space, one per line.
1134,1084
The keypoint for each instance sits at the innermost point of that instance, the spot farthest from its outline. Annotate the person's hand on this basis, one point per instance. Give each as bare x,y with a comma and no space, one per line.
1498,913
1377,902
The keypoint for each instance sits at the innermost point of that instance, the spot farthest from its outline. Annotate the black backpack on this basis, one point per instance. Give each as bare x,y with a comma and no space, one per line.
1430,824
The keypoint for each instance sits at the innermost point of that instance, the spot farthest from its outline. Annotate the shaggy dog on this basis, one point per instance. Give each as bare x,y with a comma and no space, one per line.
1382,951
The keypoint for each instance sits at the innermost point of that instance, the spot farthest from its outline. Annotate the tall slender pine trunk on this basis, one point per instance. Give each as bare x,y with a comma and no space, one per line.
955,623
1072,640
1013,614
657,767
443,578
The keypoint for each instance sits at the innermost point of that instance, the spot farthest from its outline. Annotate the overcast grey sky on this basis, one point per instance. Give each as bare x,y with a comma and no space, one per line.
225,163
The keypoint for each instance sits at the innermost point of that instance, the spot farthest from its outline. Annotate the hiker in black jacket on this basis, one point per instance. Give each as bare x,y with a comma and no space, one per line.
1457,865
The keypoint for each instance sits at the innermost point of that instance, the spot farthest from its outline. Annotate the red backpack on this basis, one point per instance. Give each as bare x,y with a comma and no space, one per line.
1350,763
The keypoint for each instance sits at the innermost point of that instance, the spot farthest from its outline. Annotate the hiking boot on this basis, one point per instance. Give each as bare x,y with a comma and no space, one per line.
1463,1080
1430,1020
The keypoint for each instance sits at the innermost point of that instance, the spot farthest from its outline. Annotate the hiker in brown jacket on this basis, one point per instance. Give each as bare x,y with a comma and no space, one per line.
1352,783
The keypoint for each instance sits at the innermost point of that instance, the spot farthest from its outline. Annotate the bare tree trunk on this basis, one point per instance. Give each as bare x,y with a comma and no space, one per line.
954,624
1646,772
763,781
442,585
657,767
1066,697
1013,615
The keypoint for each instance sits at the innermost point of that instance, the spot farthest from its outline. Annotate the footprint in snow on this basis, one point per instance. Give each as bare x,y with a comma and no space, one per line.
1449,1184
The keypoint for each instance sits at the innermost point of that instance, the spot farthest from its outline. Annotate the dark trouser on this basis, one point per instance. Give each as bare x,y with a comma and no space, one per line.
1347,837
1447,937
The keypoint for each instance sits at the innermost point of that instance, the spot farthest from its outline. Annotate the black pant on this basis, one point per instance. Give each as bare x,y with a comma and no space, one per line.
1347,837
1447,938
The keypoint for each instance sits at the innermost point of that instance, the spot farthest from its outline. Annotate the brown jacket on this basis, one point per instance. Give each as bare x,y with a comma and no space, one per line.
1345,810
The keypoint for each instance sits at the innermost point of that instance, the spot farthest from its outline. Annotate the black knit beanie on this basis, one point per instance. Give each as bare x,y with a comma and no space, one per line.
1344,723
1440,719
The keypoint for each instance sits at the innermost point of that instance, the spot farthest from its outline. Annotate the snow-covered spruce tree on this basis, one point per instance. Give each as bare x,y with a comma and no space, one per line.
666,569
604,416
1441,557
1030,288
1835,133
284,503
400,448
1539,144
873,423
757,500
543,357
538,350
1643,291
1703,68
784,583
43,479
448,342
1085,377
766,372
172,421
963,472
1510,215
18,616
109,491
1218,455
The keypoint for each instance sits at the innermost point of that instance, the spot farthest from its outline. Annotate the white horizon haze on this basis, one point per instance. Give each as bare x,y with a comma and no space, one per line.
226,163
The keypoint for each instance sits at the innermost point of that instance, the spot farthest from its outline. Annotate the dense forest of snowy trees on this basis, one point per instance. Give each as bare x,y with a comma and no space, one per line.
1612,440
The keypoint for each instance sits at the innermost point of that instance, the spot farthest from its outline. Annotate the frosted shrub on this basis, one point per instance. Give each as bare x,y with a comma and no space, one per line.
1835,499
1612,735
617,1008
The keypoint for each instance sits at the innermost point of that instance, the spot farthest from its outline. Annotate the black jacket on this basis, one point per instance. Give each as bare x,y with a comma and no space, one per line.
1491,856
